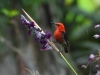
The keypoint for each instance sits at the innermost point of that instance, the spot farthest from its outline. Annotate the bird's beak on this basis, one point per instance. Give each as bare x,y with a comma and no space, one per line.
53,23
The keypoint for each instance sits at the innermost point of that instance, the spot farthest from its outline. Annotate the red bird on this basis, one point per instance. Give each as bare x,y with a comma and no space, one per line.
60,36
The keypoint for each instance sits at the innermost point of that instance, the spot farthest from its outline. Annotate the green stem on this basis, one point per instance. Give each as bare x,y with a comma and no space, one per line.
68,63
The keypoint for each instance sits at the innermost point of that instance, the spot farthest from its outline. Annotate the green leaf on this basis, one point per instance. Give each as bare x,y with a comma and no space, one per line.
69,2
86,5
69,17
5,12
10,13
13,13
79,18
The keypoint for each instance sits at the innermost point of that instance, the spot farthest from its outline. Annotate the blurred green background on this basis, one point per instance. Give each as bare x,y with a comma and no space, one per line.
19,51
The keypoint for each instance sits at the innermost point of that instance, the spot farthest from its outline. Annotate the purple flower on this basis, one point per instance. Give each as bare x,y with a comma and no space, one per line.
24,20
29,32
84,66
46,47
43,41
98,73
91,57
43,47
48,35
39,34
97,66
96,36
31,24
97,26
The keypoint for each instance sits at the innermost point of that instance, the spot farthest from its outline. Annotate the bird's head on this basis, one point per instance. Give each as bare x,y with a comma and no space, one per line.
59,26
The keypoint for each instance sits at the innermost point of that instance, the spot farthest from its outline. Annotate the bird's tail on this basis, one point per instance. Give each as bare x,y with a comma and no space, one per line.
66,49
66,43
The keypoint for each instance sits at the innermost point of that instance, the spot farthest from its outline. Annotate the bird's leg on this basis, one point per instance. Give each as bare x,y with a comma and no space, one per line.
61,49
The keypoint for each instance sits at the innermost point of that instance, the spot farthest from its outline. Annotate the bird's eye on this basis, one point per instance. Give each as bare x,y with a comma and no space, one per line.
57,24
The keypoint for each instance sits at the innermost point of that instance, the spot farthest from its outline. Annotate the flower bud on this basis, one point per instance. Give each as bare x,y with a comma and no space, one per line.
97,66
91,57
84,66
96,36
97,26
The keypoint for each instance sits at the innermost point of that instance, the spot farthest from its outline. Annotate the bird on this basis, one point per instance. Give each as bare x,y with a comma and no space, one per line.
61,37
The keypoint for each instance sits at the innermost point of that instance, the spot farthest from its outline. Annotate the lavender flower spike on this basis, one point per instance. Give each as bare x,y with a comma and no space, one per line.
39,34
96,36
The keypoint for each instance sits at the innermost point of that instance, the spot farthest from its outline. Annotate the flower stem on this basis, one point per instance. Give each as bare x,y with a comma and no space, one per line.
68,63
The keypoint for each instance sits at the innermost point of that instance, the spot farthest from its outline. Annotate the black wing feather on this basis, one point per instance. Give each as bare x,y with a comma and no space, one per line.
66,44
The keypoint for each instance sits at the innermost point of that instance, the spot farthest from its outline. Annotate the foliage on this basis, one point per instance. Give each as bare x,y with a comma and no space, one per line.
10,13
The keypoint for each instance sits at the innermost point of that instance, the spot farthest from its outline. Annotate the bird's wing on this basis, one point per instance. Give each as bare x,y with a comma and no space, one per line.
66,41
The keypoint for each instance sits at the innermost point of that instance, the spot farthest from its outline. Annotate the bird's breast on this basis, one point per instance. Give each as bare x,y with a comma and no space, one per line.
58,36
